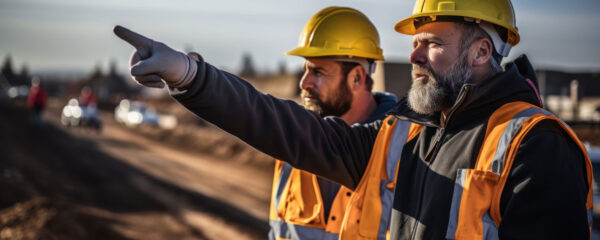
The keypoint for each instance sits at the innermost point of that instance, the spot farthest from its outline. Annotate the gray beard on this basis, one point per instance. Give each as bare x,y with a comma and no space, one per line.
440,90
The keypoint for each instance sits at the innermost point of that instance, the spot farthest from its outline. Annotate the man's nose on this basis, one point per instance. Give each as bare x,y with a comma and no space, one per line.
418,56
306,82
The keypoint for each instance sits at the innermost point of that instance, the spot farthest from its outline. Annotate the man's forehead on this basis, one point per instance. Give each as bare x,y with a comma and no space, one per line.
323,63
436,30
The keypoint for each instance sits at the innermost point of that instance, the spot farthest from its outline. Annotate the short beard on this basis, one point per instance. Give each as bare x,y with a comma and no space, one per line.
440,90
337,106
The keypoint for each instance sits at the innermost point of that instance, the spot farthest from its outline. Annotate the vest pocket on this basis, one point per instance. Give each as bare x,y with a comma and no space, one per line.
301,205
471,202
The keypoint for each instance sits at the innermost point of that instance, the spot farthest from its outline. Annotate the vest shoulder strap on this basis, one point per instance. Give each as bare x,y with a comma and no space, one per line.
475,210
506,129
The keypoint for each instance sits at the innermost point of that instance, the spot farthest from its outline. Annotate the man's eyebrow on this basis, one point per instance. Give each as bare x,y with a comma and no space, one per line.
425,36
315,68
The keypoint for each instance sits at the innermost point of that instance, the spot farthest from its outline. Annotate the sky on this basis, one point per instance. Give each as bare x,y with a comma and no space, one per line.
76,35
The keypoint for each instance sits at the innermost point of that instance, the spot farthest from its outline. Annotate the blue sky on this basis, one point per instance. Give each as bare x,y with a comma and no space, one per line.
76,35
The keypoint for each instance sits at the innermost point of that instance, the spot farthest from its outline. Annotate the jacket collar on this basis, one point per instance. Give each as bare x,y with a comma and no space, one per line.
385,102
505,87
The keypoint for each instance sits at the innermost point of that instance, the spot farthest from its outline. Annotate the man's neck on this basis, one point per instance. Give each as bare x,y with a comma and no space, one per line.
363,106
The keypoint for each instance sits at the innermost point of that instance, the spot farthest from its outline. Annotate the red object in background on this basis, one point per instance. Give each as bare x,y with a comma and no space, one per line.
36,98
87,97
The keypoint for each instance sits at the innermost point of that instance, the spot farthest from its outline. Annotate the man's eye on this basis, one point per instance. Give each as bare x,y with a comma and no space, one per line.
433,44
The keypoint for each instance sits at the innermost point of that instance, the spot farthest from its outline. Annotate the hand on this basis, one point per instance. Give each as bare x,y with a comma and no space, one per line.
153,61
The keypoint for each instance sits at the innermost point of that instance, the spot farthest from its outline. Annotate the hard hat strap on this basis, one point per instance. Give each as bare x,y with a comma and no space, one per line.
368,64
501,46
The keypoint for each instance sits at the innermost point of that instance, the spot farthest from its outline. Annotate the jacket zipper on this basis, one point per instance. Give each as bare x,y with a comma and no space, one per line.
429,158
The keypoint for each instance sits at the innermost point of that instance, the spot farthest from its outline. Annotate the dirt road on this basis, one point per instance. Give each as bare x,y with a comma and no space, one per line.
60,183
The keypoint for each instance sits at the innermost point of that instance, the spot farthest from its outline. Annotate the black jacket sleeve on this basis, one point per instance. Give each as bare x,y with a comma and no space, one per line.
280,128
545,193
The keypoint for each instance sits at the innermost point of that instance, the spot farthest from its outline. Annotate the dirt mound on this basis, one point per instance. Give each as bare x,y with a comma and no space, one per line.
59,183
44,218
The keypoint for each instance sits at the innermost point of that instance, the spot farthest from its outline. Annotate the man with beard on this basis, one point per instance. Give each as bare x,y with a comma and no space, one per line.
336,82
483,161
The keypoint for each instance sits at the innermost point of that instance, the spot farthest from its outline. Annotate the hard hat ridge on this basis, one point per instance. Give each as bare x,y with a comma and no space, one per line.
499,14
339,31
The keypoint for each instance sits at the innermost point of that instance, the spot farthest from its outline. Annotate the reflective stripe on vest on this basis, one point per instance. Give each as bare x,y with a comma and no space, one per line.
368,213
284,230
387,195
475,209
283,178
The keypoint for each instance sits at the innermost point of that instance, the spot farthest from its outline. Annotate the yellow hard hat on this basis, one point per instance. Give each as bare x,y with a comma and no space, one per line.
339,31
497,12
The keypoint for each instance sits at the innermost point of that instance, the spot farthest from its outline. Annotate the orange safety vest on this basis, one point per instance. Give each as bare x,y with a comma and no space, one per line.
475,209
297,210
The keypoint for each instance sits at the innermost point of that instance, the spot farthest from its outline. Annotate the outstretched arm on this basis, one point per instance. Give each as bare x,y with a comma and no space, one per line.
280,128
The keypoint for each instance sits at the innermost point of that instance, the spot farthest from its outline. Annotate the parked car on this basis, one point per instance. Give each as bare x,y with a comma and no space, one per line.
18,92
76,115
134,113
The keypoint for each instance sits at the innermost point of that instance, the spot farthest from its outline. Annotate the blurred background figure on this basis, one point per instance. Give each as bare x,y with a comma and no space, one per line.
36,101
87,97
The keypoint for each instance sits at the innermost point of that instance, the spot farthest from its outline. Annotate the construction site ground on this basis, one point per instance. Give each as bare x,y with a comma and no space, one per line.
193,182
71,183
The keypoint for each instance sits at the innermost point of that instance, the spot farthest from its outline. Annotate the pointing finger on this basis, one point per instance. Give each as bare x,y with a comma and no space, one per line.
141,43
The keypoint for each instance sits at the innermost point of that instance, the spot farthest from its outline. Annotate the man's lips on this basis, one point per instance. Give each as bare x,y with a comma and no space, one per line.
310,99
421,77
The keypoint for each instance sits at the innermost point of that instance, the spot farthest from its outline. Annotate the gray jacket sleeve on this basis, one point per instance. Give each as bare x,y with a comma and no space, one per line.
280,128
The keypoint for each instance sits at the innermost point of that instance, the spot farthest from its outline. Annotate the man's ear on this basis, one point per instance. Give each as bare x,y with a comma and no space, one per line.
482,51
357,77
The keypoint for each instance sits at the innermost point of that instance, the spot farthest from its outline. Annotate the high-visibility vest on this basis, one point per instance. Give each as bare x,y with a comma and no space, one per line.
475,209
297,210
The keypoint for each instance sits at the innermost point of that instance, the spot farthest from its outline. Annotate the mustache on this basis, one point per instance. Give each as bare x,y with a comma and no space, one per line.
310,94
421,70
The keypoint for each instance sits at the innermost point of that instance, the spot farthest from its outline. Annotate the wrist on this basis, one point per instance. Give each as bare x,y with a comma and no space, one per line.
191,69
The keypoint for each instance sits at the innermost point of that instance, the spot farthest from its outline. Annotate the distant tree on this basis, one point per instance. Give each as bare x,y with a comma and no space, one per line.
282,68
24,75
248,69
97,72
112,67
7,69
10,75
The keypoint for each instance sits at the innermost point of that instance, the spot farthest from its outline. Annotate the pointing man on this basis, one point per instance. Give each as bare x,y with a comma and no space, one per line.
487,162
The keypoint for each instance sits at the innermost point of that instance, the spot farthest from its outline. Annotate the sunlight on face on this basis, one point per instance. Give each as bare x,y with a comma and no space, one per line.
324,88
439,68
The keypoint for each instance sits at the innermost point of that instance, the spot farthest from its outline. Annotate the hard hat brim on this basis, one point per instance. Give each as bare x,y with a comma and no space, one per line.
407,26
320,52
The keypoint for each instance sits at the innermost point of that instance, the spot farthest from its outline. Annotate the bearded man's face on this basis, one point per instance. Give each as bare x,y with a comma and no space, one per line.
440,68
324,88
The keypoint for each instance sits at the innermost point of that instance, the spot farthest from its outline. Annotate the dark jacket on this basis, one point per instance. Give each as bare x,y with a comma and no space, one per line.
544,197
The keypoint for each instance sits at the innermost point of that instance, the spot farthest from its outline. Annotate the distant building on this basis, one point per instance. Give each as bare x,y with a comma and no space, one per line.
572,96
392,77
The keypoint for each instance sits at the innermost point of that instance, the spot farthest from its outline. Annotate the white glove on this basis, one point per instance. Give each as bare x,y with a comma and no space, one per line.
153,61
